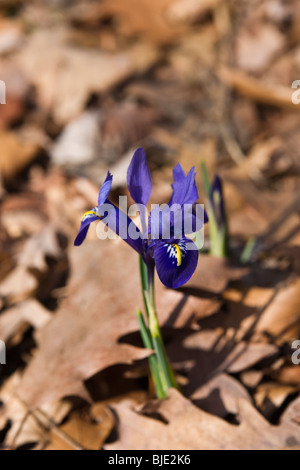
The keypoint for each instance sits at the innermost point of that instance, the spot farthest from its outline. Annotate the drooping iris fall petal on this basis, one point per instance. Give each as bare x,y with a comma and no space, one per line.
93,215
175,261
87,219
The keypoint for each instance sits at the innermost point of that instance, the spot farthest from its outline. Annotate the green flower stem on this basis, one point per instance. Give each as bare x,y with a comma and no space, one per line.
144,281
168,377
160,367
154,368
248,250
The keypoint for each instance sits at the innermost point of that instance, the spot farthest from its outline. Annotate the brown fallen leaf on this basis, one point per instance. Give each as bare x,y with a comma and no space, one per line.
17,89
289,375
23,215
19,285
213,275
255,89
17,318
107,133
190,428
255,49
251,378
25,428
209,353
16,154
182,11
220,395
83,337
292,413
138,17
11,36
281,318
79,72
38,248
270,396
82,429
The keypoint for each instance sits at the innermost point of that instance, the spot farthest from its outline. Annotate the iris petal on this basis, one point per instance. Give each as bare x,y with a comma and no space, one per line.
105,189
184,186
175,260
86,220
139,180
123,226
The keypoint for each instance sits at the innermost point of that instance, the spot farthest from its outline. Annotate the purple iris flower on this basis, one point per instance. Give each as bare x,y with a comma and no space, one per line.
164,242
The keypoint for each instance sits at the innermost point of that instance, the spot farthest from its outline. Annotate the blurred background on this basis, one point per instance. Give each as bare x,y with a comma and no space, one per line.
86,83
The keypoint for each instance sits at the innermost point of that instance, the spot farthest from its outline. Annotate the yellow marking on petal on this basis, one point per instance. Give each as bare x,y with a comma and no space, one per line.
90,213
178,254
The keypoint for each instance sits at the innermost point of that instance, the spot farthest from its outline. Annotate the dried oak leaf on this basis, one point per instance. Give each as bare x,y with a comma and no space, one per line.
25,428
213,275
82,338
190,428
220,395
82,431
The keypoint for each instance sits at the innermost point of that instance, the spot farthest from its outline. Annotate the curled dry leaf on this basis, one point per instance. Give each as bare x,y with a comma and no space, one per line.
190,428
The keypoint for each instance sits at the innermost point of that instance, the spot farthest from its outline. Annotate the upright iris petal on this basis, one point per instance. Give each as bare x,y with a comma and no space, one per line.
175,260
139,180
105,189
184,186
